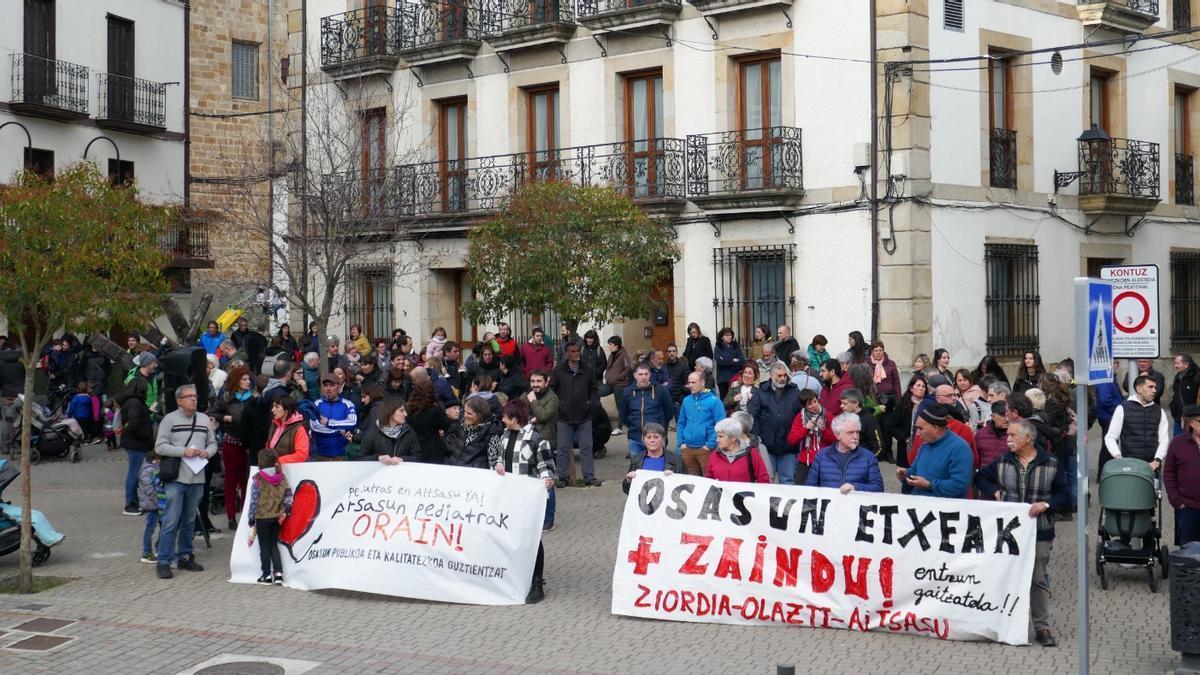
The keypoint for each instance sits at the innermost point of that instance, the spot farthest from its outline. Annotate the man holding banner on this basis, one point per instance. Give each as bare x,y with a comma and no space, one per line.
1027,474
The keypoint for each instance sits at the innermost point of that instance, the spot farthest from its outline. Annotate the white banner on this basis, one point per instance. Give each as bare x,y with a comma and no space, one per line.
693,549
414,530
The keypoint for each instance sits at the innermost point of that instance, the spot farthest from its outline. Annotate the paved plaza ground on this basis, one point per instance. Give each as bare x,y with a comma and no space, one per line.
122,619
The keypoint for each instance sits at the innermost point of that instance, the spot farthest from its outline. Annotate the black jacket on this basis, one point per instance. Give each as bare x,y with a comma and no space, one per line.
773,413
1158,380
577,392
695,348
12,373
594,358
679,374
137,428
376,444
470,447
1186,385
427,424
256,425
785,348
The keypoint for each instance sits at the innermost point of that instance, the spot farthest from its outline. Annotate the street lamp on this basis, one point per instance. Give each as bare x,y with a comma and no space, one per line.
1093,152
101,138
28,140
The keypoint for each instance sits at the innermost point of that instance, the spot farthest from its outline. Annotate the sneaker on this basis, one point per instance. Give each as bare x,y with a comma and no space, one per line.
264,580
279,578
617,431
547,527
131,510
233,525
150,558
593,482
561,483
163,571
189,563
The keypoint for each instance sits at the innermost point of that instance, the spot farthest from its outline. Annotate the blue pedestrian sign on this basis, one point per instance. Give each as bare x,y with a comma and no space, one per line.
1094,332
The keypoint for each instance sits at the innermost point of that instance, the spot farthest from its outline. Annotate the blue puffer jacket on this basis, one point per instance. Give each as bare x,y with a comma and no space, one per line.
773,413
862,470
698,416
639,407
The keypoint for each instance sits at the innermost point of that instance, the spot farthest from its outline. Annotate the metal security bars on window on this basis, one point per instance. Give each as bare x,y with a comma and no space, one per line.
1003,158
1185,299
1012,298
1185,180
370,302
753,285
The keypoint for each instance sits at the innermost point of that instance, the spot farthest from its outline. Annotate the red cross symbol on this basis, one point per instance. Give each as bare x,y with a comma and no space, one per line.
643,556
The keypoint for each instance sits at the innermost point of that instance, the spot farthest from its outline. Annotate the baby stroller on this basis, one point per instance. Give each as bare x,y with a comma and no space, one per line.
44,534
1131,520
52,435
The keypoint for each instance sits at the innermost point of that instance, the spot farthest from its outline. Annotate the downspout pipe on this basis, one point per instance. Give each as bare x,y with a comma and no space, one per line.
873,88
187,104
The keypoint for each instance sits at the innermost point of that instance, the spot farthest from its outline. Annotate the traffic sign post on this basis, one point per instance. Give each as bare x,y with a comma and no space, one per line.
1135,310
1094,364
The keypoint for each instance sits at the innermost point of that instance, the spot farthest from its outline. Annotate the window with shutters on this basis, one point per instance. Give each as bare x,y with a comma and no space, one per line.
370,301
245,70
1185,299
953,15
1012,298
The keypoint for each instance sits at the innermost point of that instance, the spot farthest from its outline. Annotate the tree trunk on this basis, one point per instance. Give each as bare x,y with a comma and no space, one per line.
26,564
179,322
194,329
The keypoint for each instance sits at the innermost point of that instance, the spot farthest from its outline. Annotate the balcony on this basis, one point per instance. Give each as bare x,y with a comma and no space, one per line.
131,104
522,24
361,42
1185,180
186,241
1002,158
609,15
710,7
1118,176
47,88
651,172
438,32
1123,16
752,168
356,197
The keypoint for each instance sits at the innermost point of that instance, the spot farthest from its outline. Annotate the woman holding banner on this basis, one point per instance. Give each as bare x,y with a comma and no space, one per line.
521,451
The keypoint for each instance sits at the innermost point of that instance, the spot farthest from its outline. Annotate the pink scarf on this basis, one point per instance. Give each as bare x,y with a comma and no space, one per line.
880,373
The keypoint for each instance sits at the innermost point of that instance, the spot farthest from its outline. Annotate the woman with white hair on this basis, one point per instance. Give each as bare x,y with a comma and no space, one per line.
734,460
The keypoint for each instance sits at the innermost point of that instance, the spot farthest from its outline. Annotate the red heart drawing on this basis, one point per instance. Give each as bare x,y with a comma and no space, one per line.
306,506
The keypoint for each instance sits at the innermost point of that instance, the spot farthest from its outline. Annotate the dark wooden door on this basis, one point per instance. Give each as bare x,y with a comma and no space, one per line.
120,69
39,50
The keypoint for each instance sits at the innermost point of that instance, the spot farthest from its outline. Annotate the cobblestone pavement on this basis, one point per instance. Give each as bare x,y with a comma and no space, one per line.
125,620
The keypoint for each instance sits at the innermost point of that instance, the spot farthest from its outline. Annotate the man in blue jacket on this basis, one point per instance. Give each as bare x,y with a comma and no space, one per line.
642,403
696,430
846,465
945,464
212,339
336,421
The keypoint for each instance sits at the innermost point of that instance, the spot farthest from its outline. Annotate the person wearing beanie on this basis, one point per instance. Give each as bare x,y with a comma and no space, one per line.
992,439
944,466
144,367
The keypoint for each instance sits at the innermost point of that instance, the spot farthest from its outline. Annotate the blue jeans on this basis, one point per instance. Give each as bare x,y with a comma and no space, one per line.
784,466
178,521
1187,525
636,448
148,534
551,502
1072,479
1178,429
136,459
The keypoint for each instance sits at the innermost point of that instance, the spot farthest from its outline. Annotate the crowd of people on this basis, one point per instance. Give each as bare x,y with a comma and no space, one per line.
768,411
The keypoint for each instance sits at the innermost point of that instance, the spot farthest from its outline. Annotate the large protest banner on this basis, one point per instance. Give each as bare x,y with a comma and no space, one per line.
413,530
693,549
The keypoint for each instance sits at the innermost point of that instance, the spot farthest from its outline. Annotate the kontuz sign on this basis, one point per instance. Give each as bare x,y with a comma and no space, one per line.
1135,310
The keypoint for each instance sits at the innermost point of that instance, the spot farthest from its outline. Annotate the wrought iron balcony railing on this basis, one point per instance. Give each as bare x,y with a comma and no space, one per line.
350,37
185,240
357,196
1148,7
53,86
589,8
646,170
1185,180
430,24
1119,167
501,16
132,101
744,161
1002,158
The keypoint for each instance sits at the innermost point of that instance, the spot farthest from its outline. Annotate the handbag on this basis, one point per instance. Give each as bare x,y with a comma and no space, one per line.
168,467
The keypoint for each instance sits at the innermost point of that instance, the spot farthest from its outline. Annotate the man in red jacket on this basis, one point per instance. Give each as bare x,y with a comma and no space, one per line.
535,354
833,384
505,341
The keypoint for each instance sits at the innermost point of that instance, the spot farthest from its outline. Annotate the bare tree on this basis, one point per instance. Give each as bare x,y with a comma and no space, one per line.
309,224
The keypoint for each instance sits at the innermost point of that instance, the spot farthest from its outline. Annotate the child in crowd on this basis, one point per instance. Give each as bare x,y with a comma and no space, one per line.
110,422
80,409
152,498
270,502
